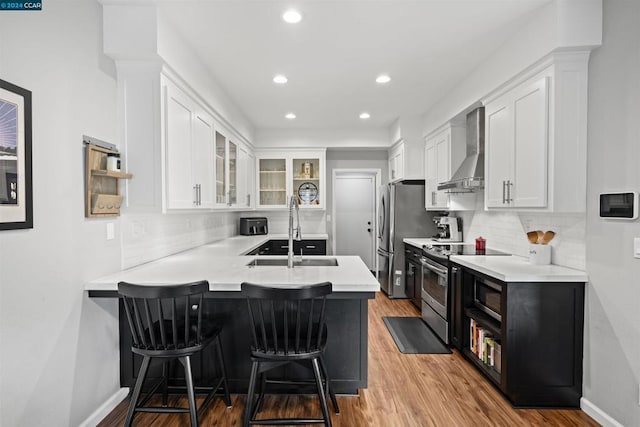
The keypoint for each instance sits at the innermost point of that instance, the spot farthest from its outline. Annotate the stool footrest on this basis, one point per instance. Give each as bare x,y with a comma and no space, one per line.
288,421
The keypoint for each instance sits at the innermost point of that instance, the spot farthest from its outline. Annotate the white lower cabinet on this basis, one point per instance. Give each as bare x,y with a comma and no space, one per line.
443,153
535,138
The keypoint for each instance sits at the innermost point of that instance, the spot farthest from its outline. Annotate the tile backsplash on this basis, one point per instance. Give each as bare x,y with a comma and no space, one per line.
147,237
506,231
311,221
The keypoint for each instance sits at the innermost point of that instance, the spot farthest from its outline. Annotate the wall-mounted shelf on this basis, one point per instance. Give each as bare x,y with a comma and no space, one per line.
102,197
112,174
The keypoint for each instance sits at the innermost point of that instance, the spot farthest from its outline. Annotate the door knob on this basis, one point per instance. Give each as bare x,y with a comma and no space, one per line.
368,222
369,230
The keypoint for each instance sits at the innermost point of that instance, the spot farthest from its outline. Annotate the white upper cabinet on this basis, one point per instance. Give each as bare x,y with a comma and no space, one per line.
406,154
204,168
535,136
406,160
444,151
281,174
203,158
396,162
188,136
246,178
517,132
233,166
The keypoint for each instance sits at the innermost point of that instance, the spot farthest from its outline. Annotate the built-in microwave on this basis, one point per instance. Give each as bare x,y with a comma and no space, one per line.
487,296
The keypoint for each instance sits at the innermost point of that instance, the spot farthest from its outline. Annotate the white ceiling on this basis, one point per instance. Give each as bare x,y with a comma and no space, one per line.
333,56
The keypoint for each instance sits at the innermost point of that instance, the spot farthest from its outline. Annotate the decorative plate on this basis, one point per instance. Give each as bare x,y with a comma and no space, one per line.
307,192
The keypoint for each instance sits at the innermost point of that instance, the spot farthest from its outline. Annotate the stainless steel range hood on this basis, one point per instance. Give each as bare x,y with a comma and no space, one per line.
470,174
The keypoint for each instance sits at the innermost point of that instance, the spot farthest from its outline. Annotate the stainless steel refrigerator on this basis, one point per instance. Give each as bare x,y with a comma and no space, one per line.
401,214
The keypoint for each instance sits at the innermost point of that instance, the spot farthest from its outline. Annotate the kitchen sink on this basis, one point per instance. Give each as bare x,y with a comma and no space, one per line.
305,262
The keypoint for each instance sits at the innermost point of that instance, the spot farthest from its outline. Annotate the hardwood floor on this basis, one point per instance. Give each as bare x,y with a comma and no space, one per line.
405,390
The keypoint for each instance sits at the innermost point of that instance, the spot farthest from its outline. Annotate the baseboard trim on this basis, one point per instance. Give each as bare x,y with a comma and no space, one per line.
598,414
104,409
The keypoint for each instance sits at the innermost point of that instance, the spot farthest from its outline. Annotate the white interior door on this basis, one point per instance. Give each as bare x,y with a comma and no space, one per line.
354,201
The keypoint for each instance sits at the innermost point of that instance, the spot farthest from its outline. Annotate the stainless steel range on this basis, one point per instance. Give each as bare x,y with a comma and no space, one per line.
436,294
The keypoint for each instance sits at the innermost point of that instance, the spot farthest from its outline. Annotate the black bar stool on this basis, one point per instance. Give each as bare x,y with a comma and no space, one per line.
287,325
166,323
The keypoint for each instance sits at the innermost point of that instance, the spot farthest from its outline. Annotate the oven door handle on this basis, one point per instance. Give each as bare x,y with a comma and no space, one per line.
433,268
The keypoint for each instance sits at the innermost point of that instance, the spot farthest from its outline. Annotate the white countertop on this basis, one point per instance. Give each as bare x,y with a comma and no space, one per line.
418,242
519,269
224,265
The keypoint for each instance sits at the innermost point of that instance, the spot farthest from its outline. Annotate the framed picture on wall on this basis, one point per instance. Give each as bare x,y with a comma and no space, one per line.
16,195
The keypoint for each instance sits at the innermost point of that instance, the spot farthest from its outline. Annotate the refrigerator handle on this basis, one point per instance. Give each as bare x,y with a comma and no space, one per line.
382,219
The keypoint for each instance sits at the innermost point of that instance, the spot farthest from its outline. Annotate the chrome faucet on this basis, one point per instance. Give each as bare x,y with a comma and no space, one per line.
293,202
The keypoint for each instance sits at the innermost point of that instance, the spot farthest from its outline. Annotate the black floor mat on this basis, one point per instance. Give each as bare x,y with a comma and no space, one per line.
413,336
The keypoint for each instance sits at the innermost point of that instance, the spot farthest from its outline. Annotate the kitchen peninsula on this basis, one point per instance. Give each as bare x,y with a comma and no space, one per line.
224,265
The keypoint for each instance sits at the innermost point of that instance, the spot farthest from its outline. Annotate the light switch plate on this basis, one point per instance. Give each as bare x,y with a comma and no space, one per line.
111,233
636,247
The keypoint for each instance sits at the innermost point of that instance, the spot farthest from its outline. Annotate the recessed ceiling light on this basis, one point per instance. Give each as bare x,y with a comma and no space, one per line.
290,116
383,78
280,79
365,115
292,16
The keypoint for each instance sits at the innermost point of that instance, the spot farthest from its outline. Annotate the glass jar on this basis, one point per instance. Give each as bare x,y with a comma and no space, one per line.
113,162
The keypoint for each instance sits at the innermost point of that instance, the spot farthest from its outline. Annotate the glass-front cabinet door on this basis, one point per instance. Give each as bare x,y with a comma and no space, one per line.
272,181
298,173
221,168
233,174
306,181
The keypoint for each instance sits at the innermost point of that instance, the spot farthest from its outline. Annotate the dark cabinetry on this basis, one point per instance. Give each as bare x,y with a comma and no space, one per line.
308,247
264,249
281,247
532,351
457,307
413,274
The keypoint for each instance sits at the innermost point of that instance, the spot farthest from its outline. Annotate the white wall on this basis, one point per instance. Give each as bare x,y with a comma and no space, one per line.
184,62
58,349
612,348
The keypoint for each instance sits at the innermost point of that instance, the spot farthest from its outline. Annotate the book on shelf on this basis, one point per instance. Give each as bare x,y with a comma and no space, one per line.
484,346
497,359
